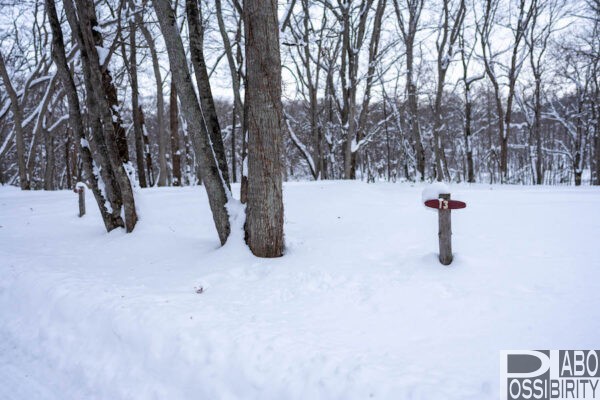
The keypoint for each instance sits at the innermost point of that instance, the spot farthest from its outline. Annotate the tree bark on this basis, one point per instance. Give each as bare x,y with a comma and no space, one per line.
101,95
111,220
174,127
235,65
160,103
135,107
50,160
216,187
408,30
207,105
18,126
264,213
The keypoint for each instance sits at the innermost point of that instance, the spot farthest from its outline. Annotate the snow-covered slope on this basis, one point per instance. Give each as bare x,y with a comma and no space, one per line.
359,306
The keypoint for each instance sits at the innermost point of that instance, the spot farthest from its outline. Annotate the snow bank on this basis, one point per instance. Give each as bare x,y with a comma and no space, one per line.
359,306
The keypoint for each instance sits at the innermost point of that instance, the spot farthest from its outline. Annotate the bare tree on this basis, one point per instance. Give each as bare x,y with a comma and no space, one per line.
452,18
138,127
468,80
408,22
519,31
160,102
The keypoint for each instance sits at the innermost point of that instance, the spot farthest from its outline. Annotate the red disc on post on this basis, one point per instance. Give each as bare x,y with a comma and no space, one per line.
442,204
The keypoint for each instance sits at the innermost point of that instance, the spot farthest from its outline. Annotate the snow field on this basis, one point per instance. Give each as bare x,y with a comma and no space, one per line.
359,307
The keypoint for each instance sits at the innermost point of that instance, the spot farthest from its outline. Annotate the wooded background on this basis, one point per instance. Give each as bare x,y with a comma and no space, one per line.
458,90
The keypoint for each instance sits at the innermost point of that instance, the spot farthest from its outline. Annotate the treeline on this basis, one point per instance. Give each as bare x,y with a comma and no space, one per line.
459,90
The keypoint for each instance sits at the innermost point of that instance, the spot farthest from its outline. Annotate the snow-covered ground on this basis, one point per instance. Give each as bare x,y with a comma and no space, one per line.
359,307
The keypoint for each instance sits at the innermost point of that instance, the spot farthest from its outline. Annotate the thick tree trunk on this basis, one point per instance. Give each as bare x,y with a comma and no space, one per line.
216,187
18,126
264,221
174,127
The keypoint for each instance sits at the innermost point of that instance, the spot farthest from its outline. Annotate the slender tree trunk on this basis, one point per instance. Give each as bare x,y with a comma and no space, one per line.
468,134
233,157
413,120
216,186
50,160
147,152
264,222
18,126
207,105
596,139
69,178
160,104
174,127
244,174
537,129
135,107
235,65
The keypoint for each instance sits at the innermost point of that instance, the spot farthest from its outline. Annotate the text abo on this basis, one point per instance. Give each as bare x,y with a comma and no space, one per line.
550,374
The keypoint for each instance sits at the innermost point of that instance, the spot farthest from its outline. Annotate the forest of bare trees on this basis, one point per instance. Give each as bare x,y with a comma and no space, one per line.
127,93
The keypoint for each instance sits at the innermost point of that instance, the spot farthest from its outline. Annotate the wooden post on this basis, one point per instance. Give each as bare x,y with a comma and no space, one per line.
81,193
445,230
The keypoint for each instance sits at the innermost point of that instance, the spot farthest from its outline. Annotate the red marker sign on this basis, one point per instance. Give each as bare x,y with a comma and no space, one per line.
442,204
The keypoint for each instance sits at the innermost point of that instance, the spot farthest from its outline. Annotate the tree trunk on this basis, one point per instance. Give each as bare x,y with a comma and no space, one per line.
216,187
160,103
537,129
207,105
111,220
264,222
174,127
135,107
235,72
101,95
233,158
69,178
18,126
50,160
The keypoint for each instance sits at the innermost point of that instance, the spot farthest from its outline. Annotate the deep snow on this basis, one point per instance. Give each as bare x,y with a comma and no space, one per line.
358,307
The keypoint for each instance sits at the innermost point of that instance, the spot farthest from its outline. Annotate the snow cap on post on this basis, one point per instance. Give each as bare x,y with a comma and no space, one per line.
433,191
